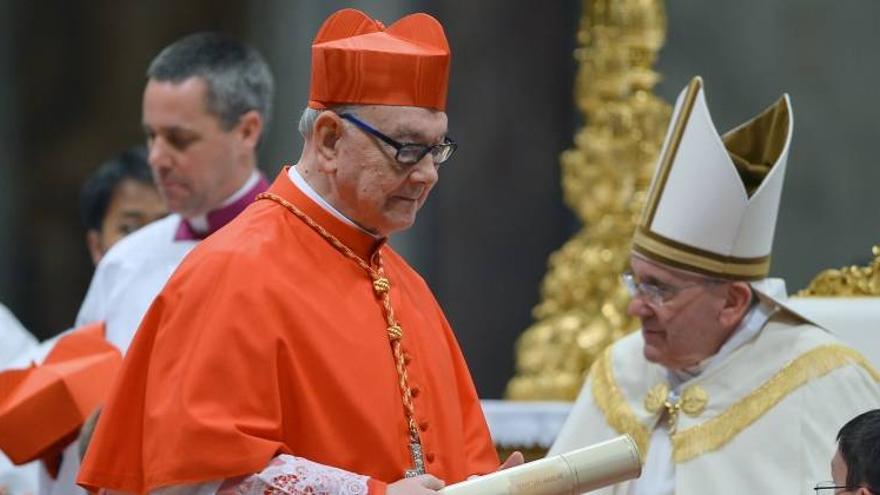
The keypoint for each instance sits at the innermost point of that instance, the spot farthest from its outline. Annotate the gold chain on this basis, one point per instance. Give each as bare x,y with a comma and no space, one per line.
382,288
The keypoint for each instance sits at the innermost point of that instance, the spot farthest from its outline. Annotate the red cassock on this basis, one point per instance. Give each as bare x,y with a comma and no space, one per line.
267,340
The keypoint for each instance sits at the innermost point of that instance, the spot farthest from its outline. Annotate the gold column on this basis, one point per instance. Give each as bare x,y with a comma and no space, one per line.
604,179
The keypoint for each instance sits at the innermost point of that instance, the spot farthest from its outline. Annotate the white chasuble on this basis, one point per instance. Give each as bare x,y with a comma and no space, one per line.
761,420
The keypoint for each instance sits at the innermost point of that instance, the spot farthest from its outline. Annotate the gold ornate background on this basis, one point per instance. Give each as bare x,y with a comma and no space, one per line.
604,176
848,281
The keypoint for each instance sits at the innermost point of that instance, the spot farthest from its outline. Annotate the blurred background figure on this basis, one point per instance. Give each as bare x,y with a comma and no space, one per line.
855,468
15,340
206,103
119,198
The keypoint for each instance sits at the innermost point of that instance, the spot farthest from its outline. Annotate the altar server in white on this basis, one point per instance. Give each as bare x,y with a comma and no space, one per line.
206,104
15,343
724,389
15,340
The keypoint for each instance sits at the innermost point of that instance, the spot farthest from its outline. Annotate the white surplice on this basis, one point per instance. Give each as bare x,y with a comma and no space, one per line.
16,344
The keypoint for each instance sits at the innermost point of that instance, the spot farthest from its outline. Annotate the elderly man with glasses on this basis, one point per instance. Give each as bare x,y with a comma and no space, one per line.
724,389
296,343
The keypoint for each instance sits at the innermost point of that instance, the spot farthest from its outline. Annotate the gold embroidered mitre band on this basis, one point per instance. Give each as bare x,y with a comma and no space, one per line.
713,202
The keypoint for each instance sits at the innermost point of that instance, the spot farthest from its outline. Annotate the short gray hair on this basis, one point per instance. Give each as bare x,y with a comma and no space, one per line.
237,77
310,115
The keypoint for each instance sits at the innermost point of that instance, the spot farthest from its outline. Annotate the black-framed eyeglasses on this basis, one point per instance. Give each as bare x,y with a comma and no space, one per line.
821,488
408,153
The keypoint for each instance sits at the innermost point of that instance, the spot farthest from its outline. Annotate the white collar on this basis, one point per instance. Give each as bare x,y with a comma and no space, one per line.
300,182
200,224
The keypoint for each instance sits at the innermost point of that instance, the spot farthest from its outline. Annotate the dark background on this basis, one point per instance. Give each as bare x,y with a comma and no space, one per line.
71,77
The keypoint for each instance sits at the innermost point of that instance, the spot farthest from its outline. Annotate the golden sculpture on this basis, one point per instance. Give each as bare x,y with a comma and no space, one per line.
604,179
851,281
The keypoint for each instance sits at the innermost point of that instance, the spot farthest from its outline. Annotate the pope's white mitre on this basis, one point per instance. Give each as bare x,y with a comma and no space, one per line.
713,201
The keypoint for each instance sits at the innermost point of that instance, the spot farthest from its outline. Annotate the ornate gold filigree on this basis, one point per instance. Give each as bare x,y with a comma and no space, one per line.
381,285
694,400
848,281
604,178
656,397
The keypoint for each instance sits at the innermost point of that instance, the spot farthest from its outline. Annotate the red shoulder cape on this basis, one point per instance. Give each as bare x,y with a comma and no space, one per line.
267,340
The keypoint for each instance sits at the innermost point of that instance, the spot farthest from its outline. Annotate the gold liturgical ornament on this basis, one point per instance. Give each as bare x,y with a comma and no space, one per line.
656,397
604,179
692,402
848,281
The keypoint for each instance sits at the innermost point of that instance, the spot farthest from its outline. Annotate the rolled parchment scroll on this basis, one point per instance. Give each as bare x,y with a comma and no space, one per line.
572,473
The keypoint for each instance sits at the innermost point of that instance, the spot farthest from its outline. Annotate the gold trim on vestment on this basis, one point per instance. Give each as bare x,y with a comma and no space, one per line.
671,150
713,434
693,259
610,401
656,398
694,400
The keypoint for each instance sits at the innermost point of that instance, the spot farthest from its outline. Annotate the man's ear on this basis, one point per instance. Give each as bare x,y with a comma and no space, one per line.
325,136
736,304
250,128
93,242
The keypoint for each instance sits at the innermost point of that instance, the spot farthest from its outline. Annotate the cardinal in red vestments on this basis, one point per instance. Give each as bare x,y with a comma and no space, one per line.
294,351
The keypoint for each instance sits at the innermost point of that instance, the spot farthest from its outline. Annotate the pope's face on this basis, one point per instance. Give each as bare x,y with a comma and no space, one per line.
196,163
684,329
371,187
